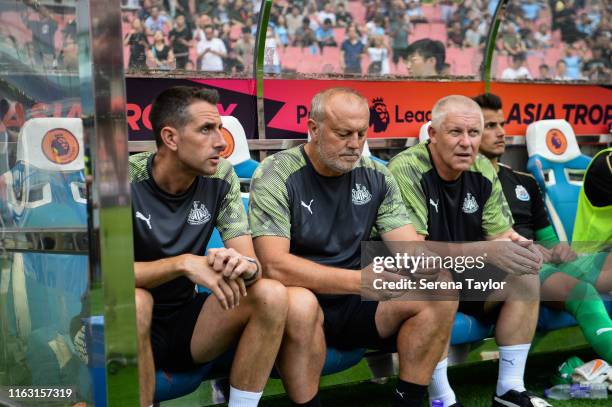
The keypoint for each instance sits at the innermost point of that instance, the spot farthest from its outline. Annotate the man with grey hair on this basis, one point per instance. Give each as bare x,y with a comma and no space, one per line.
453,195
311,207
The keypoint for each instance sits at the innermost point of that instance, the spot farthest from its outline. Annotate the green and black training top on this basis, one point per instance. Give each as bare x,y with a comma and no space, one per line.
467,209
325,218
167,225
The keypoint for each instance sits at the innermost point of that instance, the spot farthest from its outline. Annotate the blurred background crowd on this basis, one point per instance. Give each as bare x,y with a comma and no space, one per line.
537,39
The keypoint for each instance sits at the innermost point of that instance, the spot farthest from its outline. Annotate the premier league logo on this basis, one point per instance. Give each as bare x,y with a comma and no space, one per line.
521,193
379,115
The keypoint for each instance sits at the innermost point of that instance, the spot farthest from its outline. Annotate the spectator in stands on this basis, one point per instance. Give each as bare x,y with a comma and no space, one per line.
542,36
351,51
160,53
180,37
220,13
425,57
271,58
399,29
512,42
343,17
585,26
531,9
327,13
379,57
561,71
245,49
414,12
137,41
184,7
211,51
325,35
598,69
564,19
455,35
530,41
517,70
281,31
156,22
294,21
43,28
145,10
305,36
544,72
573,61
473,37
447,8
376,27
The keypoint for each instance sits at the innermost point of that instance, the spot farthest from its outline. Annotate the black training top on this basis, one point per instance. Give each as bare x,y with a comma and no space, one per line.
525,200
167,225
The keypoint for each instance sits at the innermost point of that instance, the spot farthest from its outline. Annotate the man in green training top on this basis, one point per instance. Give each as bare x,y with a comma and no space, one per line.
453,195
573,280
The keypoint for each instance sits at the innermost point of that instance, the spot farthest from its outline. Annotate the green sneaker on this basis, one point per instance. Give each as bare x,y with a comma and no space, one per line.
565,370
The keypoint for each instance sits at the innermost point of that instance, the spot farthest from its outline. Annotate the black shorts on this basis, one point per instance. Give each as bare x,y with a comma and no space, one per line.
349,323
171,333
473,303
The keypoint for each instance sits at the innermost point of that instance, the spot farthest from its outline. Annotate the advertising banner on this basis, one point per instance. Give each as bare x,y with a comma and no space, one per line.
399,109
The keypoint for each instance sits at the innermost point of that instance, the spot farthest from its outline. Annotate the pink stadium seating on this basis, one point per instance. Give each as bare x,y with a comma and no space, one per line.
339,34
431,12
357,10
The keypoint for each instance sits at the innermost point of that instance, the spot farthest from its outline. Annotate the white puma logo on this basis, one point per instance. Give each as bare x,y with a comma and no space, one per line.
434,203
602,330
308,206
401,393
142,217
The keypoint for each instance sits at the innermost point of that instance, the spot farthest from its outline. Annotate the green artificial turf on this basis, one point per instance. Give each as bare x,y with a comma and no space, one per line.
474,380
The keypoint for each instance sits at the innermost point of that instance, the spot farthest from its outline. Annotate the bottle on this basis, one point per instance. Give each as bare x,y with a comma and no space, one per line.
593,391
577,391
559,392
437,403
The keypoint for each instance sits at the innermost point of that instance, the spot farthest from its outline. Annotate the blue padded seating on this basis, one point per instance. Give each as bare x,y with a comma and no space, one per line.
558,166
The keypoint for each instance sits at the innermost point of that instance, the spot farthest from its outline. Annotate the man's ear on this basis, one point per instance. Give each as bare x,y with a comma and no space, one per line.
313,129
169,137
432,134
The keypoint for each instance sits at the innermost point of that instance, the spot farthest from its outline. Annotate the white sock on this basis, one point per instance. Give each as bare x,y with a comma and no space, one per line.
439,387
241,398
512,360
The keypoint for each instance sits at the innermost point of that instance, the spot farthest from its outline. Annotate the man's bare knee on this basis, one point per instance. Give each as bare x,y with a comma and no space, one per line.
525,287
304,314
144,310
269,299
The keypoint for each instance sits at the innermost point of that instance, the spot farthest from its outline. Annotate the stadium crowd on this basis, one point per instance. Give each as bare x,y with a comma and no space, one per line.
554,39
562,40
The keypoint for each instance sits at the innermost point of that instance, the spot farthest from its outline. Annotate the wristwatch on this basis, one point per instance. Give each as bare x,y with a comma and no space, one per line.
254,275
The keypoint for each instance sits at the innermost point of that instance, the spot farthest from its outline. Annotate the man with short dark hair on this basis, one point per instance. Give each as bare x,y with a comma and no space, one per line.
454,195
425,57
570,281
311,208
179,195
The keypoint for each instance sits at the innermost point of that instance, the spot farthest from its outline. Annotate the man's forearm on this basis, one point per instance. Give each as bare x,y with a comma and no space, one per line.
295,271
150,274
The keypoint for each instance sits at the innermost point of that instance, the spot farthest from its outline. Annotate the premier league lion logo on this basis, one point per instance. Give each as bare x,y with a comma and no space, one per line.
60,146
379,115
